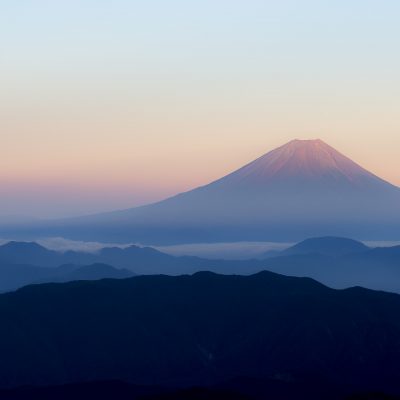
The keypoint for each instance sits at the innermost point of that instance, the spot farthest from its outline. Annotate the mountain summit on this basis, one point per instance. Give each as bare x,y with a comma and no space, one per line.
304,160
305,188
299,177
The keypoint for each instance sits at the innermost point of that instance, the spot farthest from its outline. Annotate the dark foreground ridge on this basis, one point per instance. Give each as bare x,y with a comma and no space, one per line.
240,389
201,330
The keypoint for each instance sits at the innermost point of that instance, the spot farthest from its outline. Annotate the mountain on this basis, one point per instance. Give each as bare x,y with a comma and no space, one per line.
15,276
122,391
330,246
130,257
68,273
198,330
379,270
302,189
336,262
23,263
238,389
27,253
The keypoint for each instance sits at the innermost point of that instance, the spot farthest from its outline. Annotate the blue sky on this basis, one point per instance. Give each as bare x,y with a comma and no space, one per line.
107,104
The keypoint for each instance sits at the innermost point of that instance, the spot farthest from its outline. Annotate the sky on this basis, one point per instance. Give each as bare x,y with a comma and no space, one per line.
110,104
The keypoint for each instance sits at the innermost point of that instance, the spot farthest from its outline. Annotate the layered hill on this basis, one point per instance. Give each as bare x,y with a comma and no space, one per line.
336,262
23,263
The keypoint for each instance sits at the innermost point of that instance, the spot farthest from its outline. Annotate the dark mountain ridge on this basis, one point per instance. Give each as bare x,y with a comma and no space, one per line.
200,330
238,389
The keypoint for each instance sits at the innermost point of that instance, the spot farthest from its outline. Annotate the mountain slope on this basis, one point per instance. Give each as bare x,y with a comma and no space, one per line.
200,329
303,161
302,189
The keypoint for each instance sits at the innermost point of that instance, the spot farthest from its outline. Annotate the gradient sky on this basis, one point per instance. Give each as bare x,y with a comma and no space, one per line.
110,104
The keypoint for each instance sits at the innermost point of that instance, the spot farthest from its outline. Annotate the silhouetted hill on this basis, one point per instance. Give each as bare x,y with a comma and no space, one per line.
67,273
371,268
329,246
14,276
118,391
204,329
240,389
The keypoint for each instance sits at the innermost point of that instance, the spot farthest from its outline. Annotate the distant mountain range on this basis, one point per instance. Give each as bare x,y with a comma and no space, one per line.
340,263
336,262
302,189
202,330
23,263
14,276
